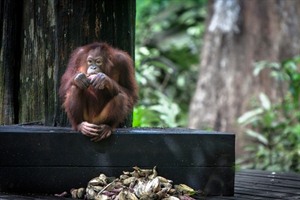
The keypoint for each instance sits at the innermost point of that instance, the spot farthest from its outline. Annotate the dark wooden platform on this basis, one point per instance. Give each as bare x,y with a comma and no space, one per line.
263,185
52,160
249,184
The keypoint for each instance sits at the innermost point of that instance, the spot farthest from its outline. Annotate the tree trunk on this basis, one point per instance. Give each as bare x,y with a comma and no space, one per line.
37,39
239,33
10,14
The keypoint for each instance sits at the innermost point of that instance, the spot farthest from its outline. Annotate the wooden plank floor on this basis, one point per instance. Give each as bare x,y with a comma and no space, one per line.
249,184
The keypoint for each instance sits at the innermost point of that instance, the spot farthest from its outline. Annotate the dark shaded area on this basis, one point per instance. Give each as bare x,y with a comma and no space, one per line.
11,31
41,160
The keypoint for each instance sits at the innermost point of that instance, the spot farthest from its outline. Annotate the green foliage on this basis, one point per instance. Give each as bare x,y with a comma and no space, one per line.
275,128
168,42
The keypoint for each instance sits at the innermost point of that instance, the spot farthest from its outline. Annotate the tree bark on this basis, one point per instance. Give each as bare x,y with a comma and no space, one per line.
239,33
10,14
47,31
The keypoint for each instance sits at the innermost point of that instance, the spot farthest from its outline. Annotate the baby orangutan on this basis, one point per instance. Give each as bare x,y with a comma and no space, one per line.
98,89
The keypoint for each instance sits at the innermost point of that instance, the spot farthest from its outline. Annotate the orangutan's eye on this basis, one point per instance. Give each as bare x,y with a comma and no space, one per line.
89,62
98,62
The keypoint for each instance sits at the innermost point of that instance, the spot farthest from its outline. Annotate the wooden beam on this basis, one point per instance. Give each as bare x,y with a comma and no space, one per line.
50,160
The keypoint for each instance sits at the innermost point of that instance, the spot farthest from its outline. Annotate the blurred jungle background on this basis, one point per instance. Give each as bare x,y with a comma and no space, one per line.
168,41
224,65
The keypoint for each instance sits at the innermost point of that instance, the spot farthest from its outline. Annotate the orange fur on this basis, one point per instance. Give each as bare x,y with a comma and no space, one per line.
109,105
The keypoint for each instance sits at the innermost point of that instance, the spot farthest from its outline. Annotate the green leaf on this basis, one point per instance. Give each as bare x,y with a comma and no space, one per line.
143,117
257,136
265,101
259,66
249,116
